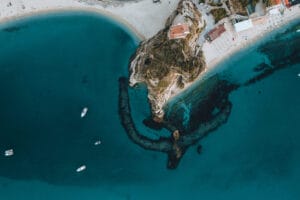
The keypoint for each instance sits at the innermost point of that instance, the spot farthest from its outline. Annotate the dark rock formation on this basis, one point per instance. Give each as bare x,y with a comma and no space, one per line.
174,146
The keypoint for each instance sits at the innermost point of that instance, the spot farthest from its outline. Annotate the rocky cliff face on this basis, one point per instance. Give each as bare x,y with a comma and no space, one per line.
167,65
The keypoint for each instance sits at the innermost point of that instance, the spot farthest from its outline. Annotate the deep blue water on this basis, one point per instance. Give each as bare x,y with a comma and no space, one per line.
53,66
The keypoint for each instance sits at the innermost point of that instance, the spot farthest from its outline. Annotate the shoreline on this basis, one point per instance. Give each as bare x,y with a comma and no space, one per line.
144,23
103,13
253,41
133,15
215,65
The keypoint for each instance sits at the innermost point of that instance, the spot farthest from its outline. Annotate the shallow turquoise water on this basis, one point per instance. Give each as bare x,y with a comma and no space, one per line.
51,67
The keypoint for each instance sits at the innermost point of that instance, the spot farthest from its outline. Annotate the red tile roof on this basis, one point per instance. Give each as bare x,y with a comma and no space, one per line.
216,32
287,3
275,2
179,31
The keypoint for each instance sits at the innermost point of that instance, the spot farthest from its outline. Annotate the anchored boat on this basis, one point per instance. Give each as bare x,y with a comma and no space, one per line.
9,152
98,142
84,112
81,168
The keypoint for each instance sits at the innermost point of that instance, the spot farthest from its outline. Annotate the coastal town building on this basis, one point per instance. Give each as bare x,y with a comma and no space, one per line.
287,3
242,26
215,33
275,2
178,31
276,9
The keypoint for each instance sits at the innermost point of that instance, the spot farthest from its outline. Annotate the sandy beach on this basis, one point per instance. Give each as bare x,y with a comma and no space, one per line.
146,18
143,17
231,42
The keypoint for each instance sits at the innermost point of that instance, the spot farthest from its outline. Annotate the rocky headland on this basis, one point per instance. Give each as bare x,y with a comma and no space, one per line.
166,65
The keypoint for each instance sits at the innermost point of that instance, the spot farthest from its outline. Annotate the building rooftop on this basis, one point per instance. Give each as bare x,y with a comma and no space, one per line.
215,33
244,25
178,31
275,2
287,3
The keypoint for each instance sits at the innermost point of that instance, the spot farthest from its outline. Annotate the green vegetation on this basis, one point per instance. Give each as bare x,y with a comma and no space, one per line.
215,4
254,2
228,5
161,59
239,6
166,53
201,1
244,3
219,14
267,2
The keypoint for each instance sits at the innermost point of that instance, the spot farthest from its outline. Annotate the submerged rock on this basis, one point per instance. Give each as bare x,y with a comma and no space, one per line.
199,149
177,143
206,106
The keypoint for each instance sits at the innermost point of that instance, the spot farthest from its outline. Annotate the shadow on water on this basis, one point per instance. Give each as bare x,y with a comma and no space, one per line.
13,29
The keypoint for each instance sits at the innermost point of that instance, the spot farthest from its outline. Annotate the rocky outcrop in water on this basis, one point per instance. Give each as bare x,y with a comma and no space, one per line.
206,106
166,65
176,145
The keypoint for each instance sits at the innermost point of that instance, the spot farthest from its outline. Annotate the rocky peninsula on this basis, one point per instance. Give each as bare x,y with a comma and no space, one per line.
181,40
166,64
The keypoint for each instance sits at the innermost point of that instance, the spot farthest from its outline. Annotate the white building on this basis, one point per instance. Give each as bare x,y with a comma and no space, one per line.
244,25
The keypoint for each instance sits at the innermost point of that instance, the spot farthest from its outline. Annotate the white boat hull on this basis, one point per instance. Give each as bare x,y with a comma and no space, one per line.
84,112
81,168
9,152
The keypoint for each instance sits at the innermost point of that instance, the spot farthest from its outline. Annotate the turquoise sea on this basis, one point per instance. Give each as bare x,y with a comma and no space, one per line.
54,65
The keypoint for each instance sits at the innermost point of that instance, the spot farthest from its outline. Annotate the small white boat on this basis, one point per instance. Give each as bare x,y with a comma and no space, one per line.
98,142
81,168
298,31
9,152
84,112
299,74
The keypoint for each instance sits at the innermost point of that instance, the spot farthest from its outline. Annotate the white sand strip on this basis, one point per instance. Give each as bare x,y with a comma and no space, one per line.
146,19
224,47
143,17
231,42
